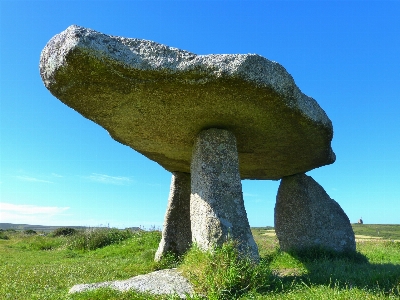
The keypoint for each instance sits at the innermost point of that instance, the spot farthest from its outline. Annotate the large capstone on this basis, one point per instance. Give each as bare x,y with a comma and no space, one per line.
306,217
156,99
177,234
217,209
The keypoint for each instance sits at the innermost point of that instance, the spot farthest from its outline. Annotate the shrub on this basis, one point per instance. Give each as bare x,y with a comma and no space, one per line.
64,231
30,232
3,235
94,238
224,273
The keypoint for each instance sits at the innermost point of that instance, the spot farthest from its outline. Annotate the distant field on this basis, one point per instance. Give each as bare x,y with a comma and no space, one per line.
38,228
367,231
41,228
389,232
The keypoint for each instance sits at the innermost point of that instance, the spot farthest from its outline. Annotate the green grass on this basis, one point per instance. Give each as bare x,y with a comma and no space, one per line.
42,267
372,273
46,267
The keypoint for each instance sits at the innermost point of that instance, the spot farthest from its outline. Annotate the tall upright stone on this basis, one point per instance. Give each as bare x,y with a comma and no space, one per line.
177,234
305,216
216,203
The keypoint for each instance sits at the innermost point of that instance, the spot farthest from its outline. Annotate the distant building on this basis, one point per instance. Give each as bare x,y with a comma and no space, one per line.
360,221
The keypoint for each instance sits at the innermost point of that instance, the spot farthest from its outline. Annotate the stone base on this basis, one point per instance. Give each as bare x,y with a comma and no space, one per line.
177,235
216,203
163,282
305,216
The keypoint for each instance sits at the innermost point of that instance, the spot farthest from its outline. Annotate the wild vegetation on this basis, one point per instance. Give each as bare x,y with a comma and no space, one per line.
38,266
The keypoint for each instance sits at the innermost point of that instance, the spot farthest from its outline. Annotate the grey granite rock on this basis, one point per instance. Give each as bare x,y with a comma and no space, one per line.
156,99
216,204
177,234
305,216
167,281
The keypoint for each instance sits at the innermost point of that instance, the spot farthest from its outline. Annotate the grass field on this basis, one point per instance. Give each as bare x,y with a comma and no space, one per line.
46,267
390,232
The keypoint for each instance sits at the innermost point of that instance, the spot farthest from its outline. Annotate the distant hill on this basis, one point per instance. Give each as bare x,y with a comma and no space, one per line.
42,228
6,226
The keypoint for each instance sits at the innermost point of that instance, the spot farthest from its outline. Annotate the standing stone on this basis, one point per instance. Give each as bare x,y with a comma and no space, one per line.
177,235
216,203
305,216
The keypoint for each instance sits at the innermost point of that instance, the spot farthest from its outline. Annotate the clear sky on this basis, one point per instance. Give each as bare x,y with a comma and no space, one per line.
58,168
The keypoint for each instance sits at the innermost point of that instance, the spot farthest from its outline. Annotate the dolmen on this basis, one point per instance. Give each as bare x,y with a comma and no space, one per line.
210,120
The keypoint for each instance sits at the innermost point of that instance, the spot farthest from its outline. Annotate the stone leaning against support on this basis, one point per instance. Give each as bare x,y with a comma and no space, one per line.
305,216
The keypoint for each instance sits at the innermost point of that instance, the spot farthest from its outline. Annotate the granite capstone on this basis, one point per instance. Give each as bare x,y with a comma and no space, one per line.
157,99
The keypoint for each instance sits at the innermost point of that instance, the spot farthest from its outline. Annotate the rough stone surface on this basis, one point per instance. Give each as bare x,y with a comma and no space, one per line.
156,99
177,235
305,216
167,281
216,203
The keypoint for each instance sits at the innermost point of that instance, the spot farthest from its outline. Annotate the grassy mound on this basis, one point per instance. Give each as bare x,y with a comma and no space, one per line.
92,239
64,231
224,273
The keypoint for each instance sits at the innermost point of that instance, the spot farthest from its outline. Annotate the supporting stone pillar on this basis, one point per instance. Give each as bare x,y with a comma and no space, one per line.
305,216
216,202
177,235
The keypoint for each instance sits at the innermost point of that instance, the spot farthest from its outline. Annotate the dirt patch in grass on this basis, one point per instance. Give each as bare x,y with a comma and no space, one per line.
360,237
288,272
269,233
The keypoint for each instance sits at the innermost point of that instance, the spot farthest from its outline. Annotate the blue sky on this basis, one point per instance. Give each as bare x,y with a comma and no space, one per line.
58,168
